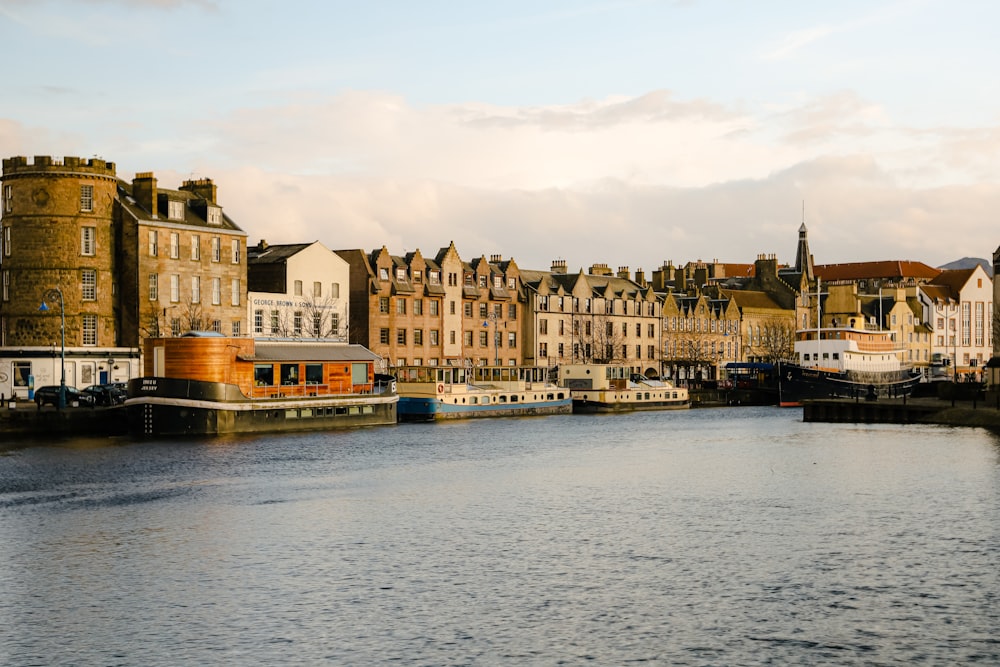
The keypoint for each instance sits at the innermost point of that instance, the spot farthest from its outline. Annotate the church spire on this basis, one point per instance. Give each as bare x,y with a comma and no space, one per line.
803,258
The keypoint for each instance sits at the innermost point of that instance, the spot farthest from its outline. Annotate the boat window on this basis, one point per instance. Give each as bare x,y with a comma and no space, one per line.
826,355
263,375
836,355
289,373
502,399
513,399
314,373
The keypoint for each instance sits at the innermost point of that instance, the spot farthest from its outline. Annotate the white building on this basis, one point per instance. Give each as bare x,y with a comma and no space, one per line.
960,308
298,290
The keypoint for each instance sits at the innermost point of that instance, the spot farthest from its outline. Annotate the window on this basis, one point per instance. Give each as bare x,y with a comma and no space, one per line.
383,336
236,251
451,307
638,329
258,321
154,292
317,325
434,336
6,285
400,336
418,336
650,351
87,200
562,328
543,326
175,288
237,328
87,237
175,210
400,273
216,291
512,311
153,238
195,289
297,323
383,304
196,247
214,215
217,326
400,306
334,290
236,291
335,324
175,245
434,277
543,350
434,307
90,330
418,306
511,339
275,322
467,338
482,281
383,273
88,284
483,311
175,327
317,289
297,288
8,198
484,339
467,308
512,283
216,249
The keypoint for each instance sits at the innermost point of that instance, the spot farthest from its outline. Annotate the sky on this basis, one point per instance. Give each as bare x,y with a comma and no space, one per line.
623,132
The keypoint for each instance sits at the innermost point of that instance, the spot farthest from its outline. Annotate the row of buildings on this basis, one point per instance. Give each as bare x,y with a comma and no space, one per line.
118,261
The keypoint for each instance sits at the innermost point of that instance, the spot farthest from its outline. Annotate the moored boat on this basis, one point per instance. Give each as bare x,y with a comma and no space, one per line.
429,393
204,384
613,388
844,362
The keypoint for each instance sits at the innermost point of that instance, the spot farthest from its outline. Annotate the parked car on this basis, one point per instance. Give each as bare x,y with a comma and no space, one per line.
49,395
105,394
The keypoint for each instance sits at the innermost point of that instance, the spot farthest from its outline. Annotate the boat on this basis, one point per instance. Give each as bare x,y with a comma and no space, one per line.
429,393
847,361
208,384
614,388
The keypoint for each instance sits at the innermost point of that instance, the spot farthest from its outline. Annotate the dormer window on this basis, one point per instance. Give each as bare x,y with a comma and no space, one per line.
418,277
383,273
400,273
175,210
497,282
434,277
482,281
214,215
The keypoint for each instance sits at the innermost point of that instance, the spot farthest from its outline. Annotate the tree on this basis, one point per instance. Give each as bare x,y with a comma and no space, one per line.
773,340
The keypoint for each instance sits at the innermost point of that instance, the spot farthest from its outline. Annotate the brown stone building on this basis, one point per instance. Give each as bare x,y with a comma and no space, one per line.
129,260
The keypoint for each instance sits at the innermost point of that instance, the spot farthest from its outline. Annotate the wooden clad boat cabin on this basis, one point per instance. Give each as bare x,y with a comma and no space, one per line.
208,383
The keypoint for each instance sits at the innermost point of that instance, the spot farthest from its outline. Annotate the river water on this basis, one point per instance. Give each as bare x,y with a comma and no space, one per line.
737,536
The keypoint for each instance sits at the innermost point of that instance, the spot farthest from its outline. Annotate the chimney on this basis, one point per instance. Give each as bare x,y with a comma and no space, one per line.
201,187
600,270
623,272
640,277
144,192
558,266
261,245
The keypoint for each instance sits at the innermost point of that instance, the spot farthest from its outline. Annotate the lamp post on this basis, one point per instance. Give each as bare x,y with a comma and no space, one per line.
50,294
492,317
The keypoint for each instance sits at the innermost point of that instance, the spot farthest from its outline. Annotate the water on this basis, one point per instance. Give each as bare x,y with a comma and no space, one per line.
708,537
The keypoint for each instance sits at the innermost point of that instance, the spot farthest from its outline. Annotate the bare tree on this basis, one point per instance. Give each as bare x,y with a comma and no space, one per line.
607,340
773,340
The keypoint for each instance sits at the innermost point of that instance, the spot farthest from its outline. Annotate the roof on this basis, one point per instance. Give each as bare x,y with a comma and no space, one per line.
274,254
308,351
194,209
953,279
751,299
888,269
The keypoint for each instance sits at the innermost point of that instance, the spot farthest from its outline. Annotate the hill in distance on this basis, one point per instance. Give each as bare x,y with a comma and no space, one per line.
968,263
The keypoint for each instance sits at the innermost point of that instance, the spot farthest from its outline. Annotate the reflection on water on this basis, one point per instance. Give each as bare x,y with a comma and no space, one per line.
710,537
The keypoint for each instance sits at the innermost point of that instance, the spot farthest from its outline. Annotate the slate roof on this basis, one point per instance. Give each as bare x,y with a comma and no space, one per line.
195,214
304,351
274,254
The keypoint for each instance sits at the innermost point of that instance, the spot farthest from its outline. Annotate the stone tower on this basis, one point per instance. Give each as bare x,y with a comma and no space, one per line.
57,230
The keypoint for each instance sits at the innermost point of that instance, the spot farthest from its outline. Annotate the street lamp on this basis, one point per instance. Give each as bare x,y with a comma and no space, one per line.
492,317
51,294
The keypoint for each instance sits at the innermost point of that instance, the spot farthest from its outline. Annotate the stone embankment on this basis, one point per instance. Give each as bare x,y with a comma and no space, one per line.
25,421
979,413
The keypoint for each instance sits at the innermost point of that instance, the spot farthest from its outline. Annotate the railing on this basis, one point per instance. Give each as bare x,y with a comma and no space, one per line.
262,391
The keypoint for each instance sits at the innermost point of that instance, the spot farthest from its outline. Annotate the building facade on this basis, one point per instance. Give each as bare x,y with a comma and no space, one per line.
297,291
128,260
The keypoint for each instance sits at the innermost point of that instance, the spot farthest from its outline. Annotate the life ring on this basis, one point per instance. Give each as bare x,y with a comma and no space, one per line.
440,388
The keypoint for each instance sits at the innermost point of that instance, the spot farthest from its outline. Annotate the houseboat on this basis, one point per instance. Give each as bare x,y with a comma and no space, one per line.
429,393
614,388
844,362
207,384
